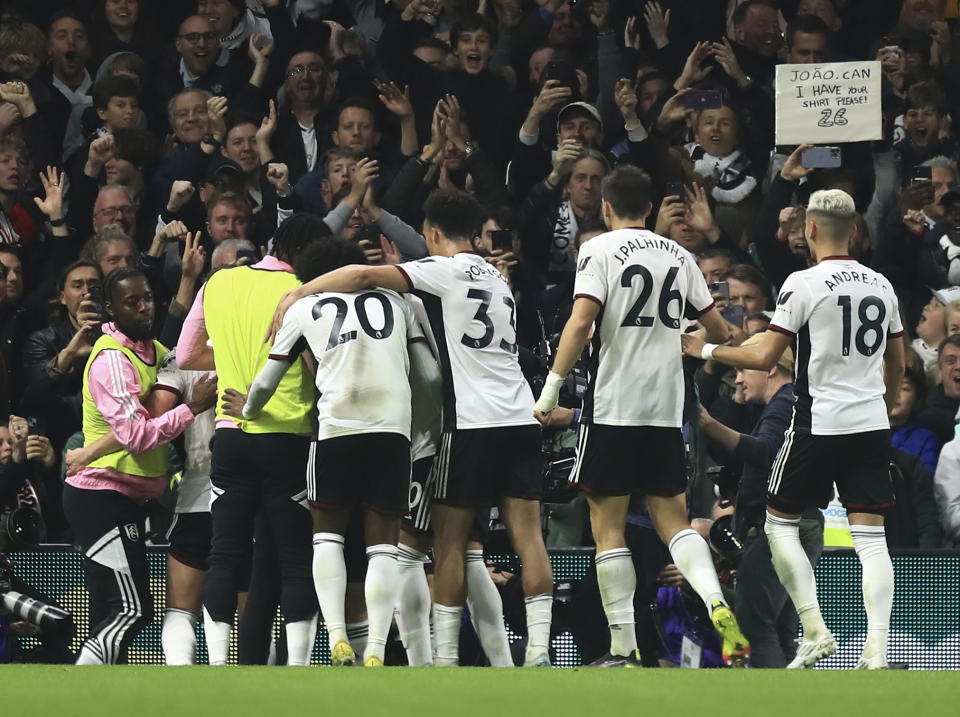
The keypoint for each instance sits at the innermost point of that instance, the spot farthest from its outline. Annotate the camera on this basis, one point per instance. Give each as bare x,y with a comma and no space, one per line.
558,445
22,528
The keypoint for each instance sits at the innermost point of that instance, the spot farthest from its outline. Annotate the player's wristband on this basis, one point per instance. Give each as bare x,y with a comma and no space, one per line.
706,353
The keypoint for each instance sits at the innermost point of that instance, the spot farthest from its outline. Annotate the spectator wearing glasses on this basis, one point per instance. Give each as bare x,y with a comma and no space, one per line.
202,64
123,159
305,113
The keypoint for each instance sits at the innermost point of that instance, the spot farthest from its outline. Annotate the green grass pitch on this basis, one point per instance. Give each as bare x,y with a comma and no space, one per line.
52,691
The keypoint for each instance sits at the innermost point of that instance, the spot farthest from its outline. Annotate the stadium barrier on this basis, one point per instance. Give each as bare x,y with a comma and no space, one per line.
925,626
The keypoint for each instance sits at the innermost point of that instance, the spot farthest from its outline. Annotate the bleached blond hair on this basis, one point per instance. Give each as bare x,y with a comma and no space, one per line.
834,212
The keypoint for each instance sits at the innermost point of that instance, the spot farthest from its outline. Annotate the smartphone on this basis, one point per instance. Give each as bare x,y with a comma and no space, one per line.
720,287
96,297
674,189
249,254
564,73
820,157
703,100
32,427
922,174
890,42
501,239
370,233
733,313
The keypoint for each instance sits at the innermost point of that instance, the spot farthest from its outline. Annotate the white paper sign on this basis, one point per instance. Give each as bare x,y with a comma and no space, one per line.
690,653
829,103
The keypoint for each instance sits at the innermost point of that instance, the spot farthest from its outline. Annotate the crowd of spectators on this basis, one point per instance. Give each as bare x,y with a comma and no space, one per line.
126,125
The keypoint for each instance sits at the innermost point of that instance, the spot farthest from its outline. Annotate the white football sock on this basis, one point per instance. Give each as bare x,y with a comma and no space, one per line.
380,592
446,625
796,575
691,555
413,606
539,617
178,636
330,582
486,611
357,634
300,638
218,639
870,542
617,580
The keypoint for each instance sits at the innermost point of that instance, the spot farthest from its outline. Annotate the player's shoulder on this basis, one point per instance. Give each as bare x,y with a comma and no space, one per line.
169,362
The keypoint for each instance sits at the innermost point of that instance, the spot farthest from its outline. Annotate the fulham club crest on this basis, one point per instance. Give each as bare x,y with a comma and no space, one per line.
132,533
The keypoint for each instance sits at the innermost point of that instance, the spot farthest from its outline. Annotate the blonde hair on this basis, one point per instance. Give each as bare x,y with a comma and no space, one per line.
834,211
952,308
23,38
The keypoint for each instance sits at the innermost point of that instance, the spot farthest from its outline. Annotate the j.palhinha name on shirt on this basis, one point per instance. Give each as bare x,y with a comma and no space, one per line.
475,271
651,242
846,277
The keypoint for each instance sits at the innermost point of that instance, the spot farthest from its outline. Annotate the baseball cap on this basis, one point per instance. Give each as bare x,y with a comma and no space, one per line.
220,164
786,358
581,108
947,295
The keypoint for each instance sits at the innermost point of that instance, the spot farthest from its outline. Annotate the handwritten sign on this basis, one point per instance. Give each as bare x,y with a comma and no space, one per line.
829,103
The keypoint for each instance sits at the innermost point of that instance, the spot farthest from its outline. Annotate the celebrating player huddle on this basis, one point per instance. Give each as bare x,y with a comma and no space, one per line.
446,326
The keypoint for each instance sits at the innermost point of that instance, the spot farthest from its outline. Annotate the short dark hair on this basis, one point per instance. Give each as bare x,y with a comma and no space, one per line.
11,249
925,95
471,23
588,226
717,253
807,24
296,233
65,11
454,212
62,281
116,276
740,14
748,274
113,86
952,340
628,191
137,146
361,103
325,255
235,120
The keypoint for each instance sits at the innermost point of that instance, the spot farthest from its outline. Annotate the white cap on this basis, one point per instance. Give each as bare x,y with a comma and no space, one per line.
947,295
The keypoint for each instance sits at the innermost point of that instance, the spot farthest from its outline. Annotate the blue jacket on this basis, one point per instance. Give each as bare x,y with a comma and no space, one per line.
911,438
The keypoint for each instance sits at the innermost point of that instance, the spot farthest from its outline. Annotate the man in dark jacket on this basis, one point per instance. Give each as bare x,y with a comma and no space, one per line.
53,358
763,608
940,410
913,521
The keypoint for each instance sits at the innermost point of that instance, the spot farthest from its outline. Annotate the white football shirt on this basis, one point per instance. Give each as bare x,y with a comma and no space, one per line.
193,494
425,424
841,314
472,315
645,285
360,343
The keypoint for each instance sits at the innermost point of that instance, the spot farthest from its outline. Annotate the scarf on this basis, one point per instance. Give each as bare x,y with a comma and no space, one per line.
248,25
734,182
561,248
